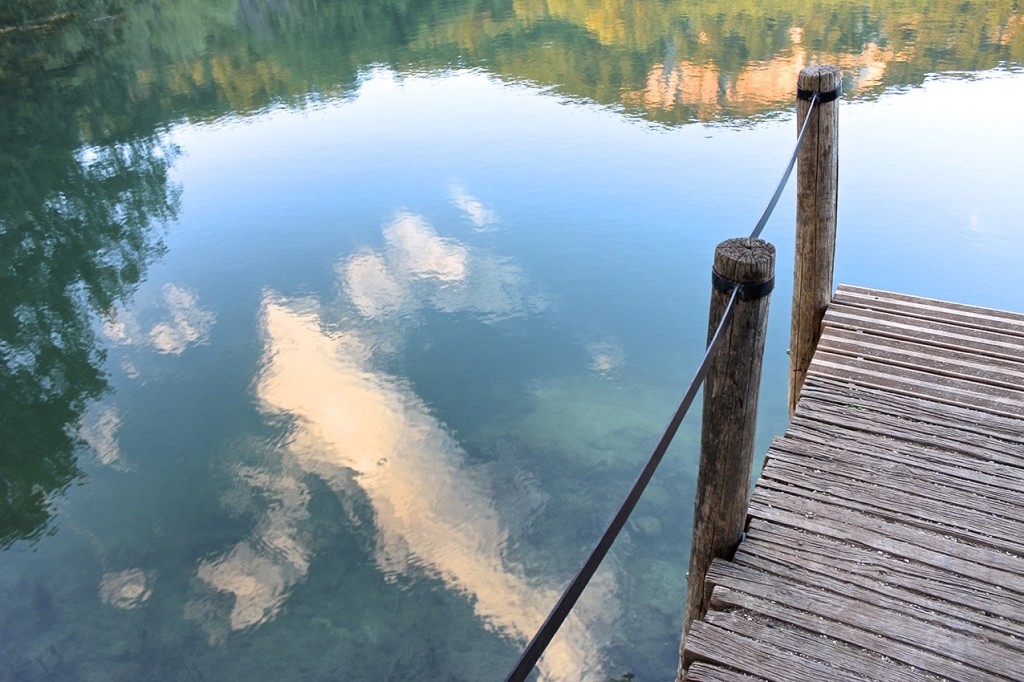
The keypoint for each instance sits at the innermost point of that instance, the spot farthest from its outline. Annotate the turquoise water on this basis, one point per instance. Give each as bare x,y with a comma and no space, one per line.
332,341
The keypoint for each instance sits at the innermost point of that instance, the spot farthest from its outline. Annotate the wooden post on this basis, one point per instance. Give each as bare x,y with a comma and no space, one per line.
817,196
730,412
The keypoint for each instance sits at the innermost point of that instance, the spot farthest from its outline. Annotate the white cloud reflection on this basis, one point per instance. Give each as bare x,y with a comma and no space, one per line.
126,589
187,324
478,213
434,513
605,357
98,428
373,288
418,268
260,571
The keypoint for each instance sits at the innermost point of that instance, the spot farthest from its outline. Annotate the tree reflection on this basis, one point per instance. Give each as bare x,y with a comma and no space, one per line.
79,196
674,61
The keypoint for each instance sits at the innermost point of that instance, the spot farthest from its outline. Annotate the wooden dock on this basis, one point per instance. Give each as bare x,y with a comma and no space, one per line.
886,534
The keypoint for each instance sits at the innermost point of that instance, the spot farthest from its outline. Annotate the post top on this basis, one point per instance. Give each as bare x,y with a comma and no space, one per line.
745,260
819,78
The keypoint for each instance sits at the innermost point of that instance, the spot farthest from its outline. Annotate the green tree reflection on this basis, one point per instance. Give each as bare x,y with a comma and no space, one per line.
671,60
80,193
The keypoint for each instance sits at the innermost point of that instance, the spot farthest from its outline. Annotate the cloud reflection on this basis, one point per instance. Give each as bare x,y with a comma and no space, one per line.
418,268
126,589
260,571
98,428
435,514
604,357
433,511
478,213
187,325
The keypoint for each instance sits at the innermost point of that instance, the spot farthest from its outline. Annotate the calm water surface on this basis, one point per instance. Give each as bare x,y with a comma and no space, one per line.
333,333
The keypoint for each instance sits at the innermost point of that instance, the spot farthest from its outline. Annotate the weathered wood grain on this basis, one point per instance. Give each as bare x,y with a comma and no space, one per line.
887,626
918,383
811,573
876,454
729,417
925,586
865,664
984,342
940,514
783,504
707,642
747,601
966,465
908,410
911,355
915,306
706,672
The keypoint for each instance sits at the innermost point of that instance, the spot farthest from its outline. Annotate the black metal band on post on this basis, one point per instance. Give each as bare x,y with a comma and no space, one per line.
823,97
750,291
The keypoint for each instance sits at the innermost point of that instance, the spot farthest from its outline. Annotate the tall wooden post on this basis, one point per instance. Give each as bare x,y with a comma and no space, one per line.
817,197
730,412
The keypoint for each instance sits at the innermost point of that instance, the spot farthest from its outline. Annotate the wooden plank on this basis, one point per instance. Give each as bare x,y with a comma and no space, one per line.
993,452
851,294
723,597
992,480
849,434
956,313
830,651
956,364
942,551
924,329
949,513
809,572
932,333
911,461
875,372
966,464
976,427
903,475
971,600
701,671
917,383
888,626
705,642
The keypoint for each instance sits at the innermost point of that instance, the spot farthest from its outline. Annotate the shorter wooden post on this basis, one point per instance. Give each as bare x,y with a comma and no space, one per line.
730,413
817,197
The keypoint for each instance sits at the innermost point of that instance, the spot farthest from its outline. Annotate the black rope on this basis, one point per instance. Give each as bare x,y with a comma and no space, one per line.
535,649
785,176
572,593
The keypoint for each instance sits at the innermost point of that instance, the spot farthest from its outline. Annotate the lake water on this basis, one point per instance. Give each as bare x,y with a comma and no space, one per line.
333,333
